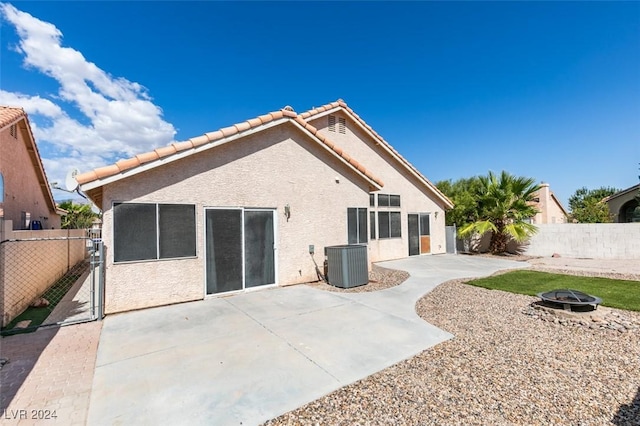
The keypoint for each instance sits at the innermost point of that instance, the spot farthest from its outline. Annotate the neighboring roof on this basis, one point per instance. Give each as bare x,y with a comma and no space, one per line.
13,115
559,203
342,105
622,193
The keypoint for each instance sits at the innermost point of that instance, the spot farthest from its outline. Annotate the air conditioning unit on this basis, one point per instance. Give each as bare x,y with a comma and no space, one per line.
347,265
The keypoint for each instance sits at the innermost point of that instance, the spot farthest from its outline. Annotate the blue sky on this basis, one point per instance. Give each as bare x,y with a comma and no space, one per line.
549,90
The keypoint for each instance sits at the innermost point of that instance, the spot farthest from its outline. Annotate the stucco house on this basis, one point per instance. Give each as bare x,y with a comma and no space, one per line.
254,205
622,204
25,196
550,209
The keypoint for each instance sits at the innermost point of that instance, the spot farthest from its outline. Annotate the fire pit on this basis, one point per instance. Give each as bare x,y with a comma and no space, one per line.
569,298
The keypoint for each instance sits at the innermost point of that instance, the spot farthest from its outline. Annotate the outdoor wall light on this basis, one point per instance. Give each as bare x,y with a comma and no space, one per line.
287,212
437,214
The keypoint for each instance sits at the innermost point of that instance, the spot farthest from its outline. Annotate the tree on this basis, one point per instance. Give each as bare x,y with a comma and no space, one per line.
587,205
462,194
504,205
79,216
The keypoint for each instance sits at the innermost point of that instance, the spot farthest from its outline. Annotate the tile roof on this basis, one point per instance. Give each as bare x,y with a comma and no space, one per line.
12,115
216,136
343,105
8,115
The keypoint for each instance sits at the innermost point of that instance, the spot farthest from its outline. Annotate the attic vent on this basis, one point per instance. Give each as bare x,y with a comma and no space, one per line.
13,131
341,125
332,123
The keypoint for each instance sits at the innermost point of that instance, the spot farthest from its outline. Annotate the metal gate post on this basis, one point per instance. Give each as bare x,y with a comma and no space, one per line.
100,281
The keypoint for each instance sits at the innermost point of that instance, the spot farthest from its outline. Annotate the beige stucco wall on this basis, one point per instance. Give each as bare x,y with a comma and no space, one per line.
29,267
415,198
22,190
548,209
269,169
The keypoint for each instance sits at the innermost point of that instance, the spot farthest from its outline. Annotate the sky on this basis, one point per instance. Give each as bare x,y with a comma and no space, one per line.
547,90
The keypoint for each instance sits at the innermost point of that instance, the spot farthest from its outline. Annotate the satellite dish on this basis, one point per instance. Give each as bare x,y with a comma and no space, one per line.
70,181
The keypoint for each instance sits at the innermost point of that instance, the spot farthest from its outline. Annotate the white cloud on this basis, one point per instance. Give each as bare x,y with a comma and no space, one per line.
121,118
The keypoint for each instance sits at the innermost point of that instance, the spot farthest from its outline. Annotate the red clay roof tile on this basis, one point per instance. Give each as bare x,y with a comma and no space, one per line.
214,136
228,131
106,171
183,146
165,151
147,157
242,126
10,114
127,164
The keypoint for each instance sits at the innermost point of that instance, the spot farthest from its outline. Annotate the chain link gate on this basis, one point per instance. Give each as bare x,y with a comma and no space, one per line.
50,281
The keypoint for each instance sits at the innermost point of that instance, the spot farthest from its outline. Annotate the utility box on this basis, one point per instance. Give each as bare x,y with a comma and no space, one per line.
347,266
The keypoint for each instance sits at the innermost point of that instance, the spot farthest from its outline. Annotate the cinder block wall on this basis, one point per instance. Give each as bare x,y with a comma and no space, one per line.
29,267
587,240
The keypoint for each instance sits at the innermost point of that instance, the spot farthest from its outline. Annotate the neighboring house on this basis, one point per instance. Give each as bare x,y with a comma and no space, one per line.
25,196
550,209
623,204
244,207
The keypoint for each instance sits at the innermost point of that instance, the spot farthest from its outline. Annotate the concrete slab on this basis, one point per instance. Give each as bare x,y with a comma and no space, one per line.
250,357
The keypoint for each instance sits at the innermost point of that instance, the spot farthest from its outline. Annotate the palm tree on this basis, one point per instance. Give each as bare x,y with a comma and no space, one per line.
79,216
504,207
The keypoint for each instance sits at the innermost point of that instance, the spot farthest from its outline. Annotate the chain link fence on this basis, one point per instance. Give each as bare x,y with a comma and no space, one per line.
47,281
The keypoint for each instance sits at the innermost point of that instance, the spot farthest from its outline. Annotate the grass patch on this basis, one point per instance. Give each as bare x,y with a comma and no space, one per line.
621,294
54,295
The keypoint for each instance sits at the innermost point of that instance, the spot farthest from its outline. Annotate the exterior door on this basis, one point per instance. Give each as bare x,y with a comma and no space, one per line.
419,233
240,247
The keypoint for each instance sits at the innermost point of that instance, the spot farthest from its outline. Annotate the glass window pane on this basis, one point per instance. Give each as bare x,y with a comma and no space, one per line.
224,250
352,226
372,200
134,232
424,224
383,200
362,226
394,200
383,224
259,242
177,226
372,225
395,225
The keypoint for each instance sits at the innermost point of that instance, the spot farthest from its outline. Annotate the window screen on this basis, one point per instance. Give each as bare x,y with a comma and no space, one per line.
395,225
177,225
372,225
383,225
383,200
389,225
146,231
134,232
424,224
394,200
356,225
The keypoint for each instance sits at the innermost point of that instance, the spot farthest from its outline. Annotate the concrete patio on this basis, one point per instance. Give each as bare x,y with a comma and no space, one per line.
250,357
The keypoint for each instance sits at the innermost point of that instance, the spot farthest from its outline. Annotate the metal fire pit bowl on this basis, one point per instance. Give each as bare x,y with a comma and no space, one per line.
568,298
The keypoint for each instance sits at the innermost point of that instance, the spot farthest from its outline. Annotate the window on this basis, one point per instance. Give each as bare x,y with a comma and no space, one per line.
372,200
144,231
356,225
389,225
332,123
372,225
386,200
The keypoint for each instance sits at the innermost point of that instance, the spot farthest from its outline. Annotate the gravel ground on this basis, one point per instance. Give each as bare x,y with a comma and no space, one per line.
379,279
503,367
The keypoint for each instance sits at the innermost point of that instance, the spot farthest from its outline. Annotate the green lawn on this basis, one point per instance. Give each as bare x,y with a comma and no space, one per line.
614,293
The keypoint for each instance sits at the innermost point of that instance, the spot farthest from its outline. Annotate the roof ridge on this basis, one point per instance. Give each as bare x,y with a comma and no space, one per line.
341,103
123,165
